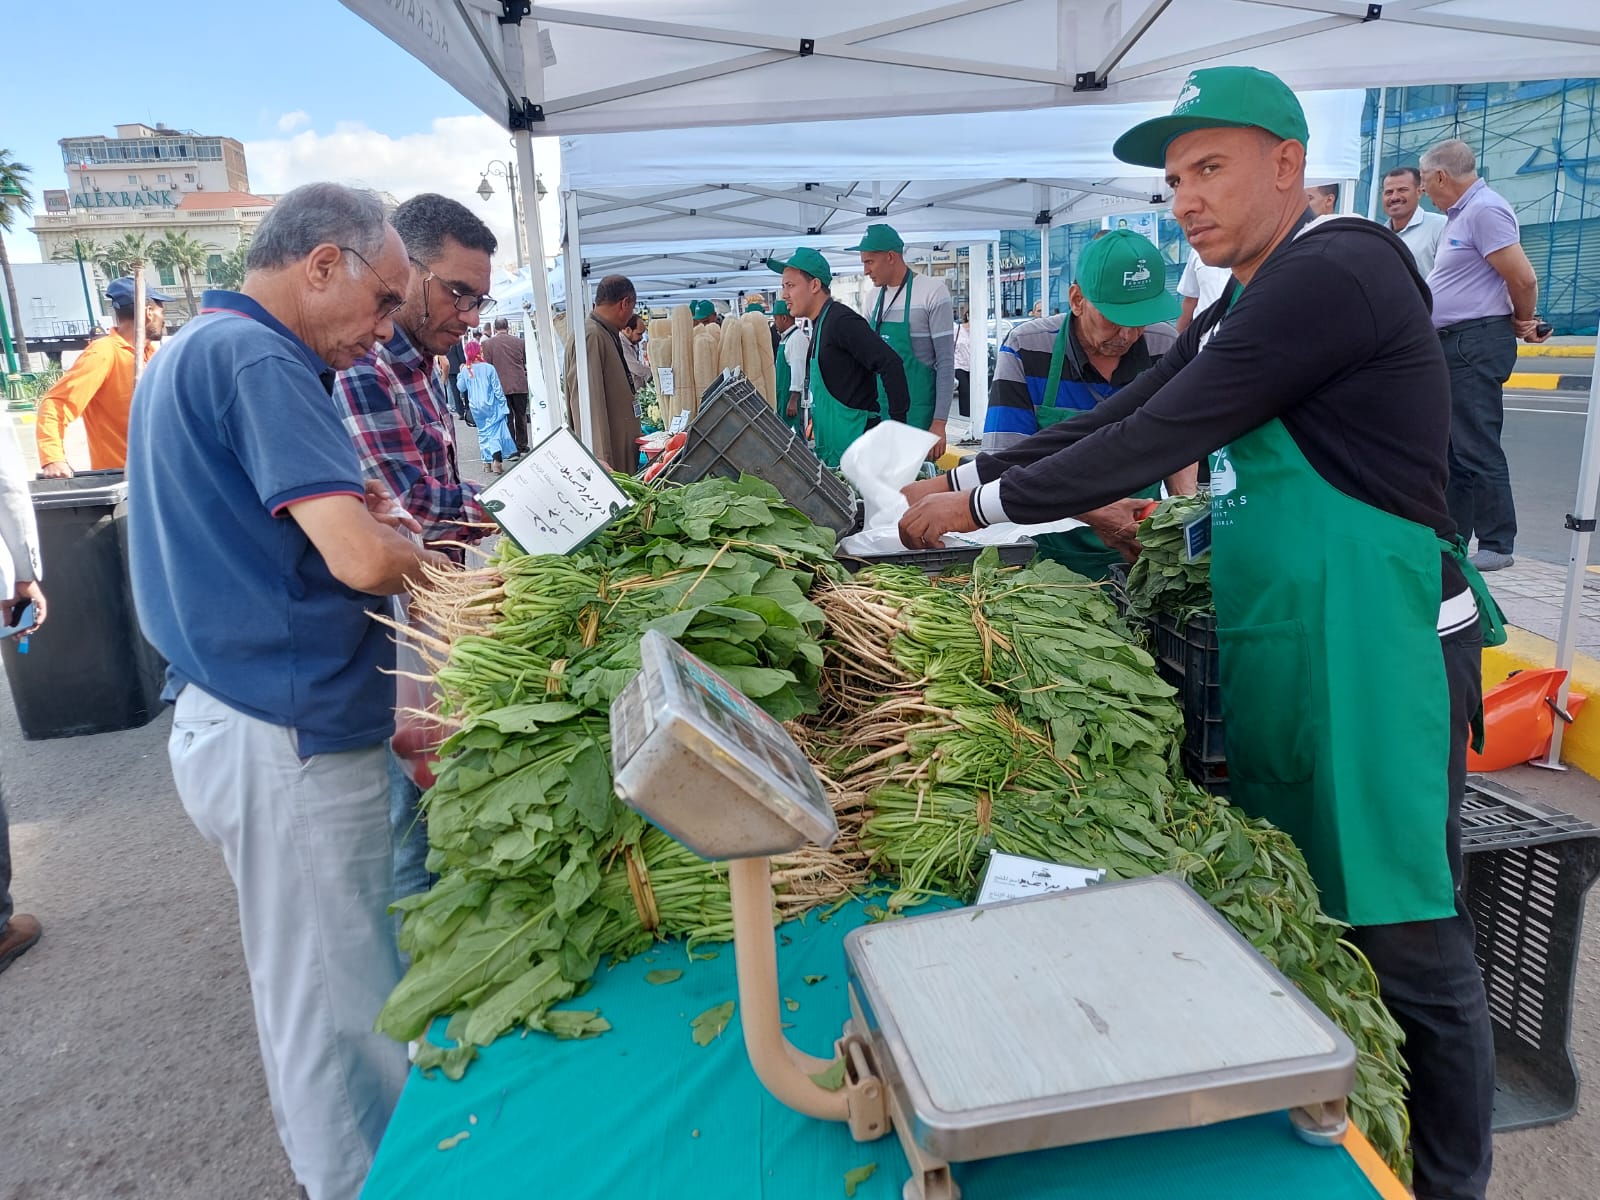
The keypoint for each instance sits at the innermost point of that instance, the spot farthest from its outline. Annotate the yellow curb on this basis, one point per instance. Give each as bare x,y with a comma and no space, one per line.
1536,381
1555,351
1524,651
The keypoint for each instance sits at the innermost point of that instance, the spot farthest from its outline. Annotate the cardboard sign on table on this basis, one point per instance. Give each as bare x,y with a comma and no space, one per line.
557,499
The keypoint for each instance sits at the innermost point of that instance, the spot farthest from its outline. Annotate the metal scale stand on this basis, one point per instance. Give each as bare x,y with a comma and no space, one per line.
1077,1016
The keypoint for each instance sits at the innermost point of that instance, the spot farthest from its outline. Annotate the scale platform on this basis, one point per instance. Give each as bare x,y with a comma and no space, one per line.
1101,1012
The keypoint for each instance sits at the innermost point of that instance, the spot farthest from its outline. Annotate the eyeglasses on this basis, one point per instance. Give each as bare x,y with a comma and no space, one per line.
391,301
464,299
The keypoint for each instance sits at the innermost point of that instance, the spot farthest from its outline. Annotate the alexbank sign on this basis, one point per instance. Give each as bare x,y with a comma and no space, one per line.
144,198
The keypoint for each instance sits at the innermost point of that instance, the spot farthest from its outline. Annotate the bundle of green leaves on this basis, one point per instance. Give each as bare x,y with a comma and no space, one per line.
1162,580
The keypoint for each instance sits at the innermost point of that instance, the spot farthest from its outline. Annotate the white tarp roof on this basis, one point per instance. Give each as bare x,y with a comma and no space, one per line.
605,65
921,174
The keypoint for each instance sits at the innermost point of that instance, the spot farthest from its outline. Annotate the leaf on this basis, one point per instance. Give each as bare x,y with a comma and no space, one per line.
832,1079
708,1026
662,976
791,1005
452,1060
856,1177
450,1143
814,978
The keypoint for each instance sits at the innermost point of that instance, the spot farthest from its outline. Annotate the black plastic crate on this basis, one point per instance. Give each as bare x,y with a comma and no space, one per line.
1528,868
1200,698
939,560
1213,776
736,432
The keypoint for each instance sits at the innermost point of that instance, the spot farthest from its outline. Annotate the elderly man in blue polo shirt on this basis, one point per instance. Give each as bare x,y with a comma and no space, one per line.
258,562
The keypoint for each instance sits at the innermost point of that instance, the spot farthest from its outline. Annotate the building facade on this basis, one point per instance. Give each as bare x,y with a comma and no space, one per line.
146,181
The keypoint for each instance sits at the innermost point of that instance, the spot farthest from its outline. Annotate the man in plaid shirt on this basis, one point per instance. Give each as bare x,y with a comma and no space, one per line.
394,402
395,406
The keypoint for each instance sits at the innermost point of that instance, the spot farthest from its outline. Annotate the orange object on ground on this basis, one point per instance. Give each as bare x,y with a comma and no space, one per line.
1373,1167
1518,718
98,387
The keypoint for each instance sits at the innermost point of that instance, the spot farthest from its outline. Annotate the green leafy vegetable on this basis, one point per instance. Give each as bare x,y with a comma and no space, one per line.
708,1026
856,1176
832,1078
662,976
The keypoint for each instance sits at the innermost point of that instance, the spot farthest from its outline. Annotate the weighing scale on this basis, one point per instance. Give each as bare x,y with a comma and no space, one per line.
1100,1012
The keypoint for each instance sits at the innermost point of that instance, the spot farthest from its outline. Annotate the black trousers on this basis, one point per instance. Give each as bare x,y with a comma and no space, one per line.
517,403
1429,978
964,391
1481,356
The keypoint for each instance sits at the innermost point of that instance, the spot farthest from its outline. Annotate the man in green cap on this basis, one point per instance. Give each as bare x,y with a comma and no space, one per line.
1349,621
847,362
914,314
1056,368
794,350
704,312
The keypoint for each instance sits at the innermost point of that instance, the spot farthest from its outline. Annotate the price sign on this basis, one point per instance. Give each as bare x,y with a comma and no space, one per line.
556,499
666,381
679,423
1013,877
1197,536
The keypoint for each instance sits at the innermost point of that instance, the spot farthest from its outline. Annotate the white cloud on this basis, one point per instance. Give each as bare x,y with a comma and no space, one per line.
448,158
290,121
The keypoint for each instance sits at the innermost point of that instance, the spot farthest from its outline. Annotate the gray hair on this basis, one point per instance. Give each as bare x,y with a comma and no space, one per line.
1454,158
318,214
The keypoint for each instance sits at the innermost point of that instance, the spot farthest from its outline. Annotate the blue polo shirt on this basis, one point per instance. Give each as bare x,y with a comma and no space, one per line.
231,425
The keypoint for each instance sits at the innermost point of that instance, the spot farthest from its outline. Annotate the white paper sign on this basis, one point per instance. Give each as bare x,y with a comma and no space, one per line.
556,499
679,423
666,381
1013,877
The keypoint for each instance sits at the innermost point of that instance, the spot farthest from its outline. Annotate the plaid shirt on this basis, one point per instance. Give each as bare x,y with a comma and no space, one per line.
393,403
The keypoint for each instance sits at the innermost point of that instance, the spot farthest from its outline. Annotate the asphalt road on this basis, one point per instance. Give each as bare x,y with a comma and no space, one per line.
1543,440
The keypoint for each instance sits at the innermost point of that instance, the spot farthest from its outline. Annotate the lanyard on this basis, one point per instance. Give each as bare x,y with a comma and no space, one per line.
877,316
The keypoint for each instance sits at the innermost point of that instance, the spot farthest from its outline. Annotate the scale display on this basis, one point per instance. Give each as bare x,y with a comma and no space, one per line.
694,756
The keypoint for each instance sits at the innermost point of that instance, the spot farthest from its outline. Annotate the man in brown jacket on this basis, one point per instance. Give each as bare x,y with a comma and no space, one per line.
614,412
507,355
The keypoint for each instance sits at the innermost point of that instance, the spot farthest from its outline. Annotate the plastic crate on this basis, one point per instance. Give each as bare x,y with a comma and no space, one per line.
1528,868
1213,776
938,561
1187,657
736,432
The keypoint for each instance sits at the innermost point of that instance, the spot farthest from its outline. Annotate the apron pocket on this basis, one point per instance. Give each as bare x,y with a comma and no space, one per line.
1267,703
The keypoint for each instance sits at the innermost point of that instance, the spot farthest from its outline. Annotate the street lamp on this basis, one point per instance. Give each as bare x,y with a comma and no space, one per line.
507,170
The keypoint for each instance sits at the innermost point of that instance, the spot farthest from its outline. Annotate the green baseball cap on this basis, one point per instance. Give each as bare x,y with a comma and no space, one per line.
780,308
1229,97
805,259
701,309
755,306
1122,274
880,237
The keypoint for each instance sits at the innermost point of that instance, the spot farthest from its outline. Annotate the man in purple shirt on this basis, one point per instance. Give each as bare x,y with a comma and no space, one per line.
1484,297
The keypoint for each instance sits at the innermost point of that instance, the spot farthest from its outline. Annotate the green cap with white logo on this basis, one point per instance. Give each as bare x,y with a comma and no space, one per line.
879,238
699,310
1227,97
1123,276
807,260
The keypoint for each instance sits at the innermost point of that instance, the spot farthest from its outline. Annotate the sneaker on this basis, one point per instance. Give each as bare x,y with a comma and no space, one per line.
1491,560
19,933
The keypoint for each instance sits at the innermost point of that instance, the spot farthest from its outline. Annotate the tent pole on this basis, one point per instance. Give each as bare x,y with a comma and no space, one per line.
533,227
1578,560
978,291
1375,192
1044,270
1349,195
577,323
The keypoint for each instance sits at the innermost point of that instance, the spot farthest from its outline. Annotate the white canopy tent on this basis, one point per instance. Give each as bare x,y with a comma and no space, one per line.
666,64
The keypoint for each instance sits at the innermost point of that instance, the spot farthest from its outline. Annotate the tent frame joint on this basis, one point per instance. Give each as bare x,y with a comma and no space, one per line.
513,11
1374,13
1042,217
808,47
525,114
1580,524
1091,81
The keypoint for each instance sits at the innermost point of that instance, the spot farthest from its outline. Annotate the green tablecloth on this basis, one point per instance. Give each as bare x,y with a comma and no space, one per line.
644,1113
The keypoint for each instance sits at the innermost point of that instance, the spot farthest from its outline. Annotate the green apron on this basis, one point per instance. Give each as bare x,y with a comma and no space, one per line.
834,423
919,375
784,386
1333,683
1080,550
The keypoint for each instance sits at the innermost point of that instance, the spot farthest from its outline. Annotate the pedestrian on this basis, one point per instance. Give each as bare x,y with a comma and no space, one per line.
703,312
614,413
1418,228
259,557
632,343
98,387
394,405
917,319
507,354
454,359
491,414
1199,287
794,348
20,572
848,358
964,364
1485,296
1057,368
1323,198
1348,616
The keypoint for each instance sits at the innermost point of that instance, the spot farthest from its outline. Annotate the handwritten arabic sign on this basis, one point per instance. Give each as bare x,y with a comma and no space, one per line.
556,499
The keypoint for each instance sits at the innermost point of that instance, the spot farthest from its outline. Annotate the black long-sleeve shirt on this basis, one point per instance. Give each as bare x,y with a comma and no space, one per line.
853,357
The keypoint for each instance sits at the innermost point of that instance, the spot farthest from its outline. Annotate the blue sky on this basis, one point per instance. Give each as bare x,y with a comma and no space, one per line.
311,89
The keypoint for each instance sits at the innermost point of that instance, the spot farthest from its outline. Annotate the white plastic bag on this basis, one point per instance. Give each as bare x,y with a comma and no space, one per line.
879,463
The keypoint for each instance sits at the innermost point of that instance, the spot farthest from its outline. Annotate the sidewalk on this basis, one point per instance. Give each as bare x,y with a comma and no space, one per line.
1531,594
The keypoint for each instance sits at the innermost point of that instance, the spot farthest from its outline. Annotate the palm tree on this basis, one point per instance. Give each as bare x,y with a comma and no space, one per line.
176,251
124,255
14,197
229,273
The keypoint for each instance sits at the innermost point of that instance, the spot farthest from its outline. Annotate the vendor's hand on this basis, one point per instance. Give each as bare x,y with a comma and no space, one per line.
56,470
1118,525
930,518
386,509
27,590
793,410
937,452
1528,330
925,487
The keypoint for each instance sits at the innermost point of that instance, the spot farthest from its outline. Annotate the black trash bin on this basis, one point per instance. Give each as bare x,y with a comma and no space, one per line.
89,669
